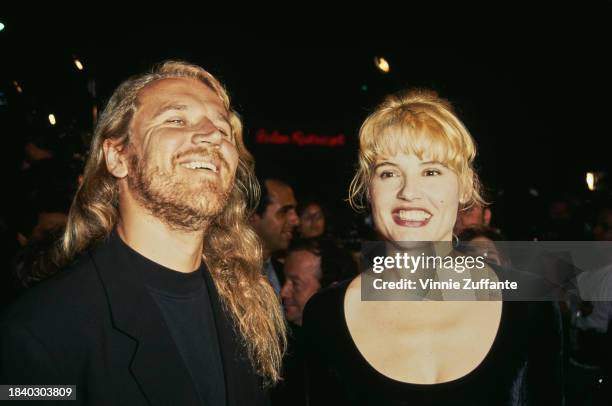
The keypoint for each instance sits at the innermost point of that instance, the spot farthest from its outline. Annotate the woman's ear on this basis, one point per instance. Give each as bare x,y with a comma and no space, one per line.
116,158
464,198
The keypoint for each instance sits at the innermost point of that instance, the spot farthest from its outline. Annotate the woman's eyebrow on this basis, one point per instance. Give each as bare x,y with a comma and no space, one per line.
432,163
383,163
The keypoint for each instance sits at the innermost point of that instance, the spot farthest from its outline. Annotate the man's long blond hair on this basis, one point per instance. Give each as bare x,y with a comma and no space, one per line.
231,248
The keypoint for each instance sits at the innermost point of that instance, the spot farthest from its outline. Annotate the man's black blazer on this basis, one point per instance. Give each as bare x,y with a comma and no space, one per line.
95,325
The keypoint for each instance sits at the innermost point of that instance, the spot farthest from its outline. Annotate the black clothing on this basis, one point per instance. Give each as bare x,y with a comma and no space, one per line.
292,389
186,307
96,325
523,366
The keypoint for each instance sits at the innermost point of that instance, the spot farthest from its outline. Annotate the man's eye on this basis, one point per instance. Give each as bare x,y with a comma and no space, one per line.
179,121
226,133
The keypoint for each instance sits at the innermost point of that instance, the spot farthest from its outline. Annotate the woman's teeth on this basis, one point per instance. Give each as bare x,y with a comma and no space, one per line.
414,215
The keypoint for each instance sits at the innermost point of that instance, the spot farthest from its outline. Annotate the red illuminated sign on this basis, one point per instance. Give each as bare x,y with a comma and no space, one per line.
298,138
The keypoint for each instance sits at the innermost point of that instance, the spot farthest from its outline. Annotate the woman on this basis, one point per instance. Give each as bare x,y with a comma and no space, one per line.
415,172
312,219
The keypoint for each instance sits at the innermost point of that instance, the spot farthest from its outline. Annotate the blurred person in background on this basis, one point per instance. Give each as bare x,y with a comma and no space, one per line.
476,215
275,220
313,219
310,265
477,240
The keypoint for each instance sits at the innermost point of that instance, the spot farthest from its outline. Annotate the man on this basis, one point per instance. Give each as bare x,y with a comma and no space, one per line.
275,221
302,279
475,215
165,302
310,264
602,229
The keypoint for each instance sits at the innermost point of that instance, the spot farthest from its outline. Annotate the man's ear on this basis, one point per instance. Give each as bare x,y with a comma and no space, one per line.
116,158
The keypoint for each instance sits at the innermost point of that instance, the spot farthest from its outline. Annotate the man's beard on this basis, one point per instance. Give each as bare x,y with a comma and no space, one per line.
181,202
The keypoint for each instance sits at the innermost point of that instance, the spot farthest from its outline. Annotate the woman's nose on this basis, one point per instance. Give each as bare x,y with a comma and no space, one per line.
410,190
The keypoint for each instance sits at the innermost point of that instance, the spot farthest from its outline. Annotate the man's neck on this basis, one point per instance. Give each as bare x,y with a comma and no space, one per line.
178,250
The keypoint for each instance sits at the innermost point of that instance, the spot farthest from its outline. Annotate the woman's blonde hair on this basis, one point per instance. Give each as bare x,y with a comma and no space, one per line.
418,122
232,250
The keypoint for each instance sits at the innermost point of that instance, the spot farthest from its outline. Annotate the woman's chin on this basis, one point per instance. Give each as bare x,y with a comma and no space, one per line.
411,236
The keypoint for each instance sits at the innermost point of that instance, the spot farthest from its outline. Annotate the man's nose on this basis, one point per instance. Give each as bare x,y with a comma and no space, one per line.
285,290
293,218
206,132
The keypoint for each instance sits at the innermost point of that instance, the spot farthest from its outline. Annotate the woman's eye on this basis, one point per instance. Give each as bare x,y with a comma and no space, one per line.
387,174
432,172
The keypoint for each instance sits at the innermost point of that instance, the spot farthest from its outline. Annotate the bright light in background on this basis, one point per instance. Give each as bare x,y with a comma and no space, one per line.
382,64
590,180
78,64
1,26
52,119
17,86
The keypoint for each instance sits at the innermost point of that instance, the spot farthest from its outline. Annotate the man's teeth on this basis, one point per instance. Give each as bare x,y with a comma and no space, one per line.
414,215
200,165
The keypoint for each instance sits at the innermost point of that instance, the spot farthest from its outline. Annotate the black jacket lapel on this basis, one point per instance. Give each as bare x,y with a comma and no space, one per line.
156,365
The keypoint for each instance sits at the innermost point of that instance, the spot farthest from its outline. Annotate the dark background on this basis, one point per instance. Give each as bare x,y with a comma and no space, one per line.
538,106
534,90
